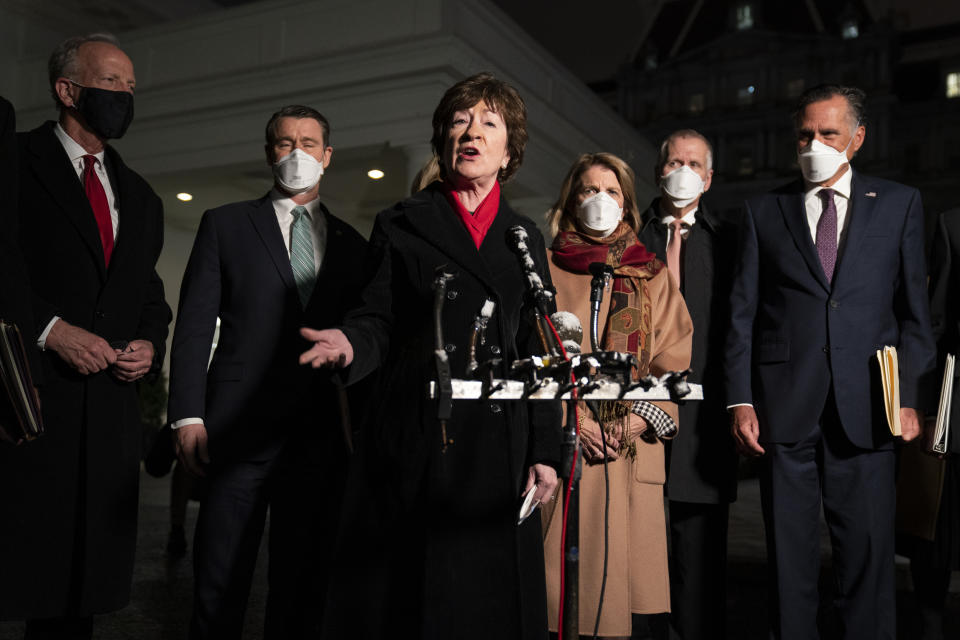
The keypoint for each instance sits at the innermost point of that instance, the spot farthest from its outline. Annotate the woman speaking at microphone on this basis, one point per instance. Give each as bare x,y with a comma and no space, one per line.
436,551
595,220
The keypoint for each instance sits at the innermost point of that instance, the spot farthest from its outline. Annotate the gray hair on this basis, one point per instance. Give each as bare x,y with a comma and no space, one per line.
682,133
63,60
855,102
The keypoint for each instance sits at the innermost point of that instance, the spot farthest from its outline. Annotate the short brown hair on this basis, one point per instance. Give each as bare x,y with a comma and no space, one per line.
299,112
563,215
501,98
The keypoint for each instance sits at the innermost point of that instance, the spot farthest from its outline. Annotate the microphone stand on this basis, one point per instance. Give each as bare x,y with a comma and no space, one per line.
570,449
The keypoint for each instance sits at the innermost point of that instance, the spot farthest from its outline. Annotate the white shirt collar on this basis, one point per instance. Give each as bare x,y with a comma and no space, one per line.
841,187
284,204
689,218
74,151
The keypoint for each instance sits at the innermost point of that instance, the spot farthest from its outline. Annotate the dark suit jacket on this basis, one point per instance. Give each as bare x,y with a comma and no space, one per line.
255,393
794,337
944,312
90,454
14,287
701,460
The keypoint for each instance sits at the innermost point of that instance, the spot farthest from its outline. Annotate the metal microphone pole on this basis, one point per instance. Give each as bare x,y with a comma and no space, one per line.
571,548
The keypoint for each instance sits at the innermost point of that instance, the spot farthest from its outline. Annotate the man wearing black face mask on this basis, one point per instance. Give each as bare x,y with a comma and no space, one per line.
90,232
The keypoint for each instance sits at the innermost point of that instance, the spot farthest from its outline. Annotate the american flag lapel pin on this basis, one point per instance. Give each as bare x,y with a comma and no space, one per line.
871,194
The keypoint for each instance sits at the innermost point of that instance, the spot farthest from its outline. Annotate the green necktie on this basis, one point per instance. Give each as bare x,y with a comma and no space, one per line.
301,253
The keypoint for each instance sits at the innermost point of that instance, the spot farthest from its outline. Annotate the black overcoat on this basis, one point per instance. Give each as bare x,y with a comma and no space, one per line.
14,286
440,554
701,460
79,483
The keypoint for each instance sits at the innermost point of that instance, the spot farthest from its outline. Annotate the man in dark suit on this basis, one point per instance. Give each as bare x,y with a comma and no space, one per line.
697,247
829,270
90,232
263,430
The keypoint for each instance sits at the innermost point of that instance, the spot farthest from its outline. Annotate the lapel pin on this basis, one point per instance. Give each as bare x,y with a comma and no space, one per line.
871,194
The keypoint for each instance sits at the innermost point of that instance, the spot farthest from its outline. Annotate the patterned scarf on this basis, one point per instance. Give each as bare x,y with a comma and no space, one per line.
629,321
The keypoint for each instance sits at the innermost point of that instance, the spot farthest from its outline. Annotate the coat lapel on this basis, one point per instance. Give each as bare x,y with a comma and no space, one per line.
794,214
130,229
859,216
437,223
54,171
264,220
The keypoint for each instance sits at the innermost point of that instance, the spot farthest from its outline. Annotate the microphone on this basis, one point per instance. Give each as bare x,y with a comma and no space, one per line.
602,273
569,329
517,239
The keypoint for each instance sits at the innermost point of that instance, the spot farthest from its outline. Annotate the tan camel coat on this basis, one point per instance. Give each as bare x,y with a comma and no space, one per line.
637,575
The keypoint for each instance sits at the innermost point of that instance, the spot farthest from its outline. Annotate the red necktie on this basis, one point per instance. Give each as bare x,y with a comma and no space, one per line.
98,202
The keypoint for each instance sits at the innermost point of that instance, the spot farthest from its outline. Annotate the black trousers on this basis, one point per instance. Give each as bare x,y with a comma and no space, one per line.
698,570
65,628
856,488
304,499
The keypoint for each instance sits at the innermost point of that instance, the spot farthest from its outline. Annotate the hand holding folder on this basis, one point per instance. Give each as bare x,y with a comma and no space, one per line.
890,378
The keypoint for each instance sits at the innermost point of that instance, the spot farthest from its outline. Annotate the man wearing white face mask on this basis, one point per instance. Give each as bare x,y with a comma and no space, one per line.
829,269
260,429
697,247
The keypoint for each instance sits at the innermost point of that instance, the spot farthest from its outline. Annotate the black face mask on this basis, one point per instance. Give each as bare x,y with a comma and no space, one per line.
108,113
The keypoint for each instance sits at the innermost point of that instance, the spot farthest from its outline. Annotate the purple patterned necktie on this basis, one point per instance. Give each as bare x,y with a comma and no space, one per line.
827,233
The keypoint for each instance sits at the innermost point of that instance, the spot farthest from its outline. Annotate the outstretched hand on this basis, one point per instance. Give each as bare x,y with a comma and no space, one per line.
330,349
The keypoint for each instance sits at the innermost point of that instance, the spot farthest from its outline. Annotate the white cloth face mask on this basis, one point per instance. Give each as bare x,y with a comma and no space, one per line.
682,186
297,172
600,213
819,162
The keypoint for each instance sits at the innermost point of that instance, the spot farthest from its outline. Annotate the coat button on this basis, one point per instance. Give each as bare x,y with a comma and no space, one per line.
452,295
826,349
834,304
100,314
449,347
494,349
495,408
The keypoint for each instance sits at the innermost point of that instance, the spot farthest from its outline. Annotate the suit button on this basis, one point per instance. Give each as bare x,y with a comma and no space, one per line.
100,314
834,304
494,349
826,349
495,408
452,295
449,347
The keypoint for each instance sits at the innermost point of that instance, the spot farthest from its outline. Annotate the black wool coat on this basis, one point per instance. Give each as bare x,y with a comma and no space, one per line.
432,546
76,487
701,460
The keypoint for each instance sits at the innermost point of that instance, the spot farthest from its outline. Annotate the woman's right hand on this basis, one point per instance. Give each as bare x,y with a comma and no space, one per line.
591,442
330,349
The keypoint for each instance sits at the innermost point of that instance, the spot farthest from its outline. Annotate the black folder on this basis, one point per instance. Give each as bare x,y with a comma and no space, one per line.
20,418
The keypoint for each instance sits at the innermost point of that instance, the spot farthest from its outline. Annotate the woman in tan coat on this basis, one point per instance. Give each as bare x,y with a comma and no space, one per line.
595,220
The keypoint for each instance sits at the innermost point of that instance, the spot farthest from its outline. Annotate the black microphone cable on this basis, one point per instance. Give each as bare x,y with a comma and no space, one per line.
606,515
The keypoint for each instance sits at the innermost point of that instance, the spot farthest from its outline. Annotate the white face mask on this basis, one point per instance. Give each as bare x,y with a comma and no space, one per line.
297,172
819,162
600,213
682,186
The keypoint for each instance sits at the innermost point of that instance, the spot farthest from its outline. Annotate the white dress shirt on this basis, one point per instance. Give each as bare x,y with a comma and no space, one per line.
689,219
75,152
814,203
283,206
